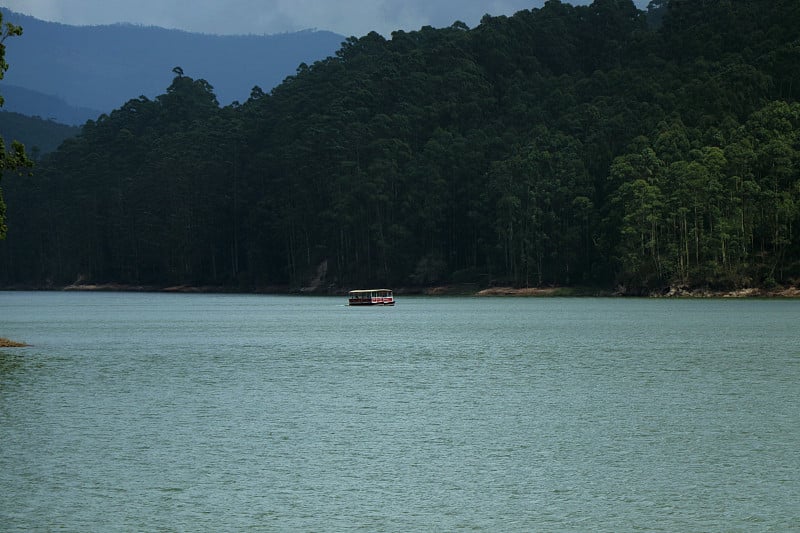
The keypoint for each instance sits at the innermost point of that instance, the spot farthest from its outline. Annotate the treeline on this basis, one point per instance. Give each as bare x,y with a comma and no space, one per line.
560,146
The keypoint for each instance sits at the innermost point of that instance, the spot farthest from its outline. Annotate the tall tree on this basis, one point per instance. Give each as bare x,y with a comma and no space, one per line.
15,159
560,145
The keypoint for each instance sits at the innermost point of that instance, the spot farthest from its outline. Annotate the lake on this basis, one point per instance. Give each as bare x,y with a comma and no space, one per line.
189,412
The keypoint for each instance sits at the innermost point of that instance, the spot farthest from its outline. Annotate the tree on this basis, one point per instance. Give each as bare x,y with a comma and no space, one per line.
560,145
16,159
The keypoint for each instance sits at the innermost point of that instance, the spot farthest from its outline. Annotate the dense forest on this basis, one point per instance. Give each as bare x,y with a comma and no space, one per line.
591,145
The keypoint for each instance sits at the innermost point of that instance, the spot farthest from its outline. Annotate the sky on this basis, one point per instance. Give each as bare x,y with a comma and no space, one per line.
264,17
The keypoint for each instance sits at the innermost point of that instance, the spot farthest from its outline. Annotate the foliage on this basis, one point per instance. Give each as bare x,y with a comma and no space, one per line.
16,159
566,145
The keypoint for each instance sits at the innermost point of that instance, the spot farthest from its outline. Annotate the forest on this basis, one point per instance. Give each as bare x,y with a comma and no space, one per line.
593,146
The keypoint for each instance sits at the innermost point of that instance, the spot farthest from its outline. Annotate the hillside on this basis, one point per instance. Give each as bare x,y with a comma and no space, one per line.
38,135
560,146
36,104
101,67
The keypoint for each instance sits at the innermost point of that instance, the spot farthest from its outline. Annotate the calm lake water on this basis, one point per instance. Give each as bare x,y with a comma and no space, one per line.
143,412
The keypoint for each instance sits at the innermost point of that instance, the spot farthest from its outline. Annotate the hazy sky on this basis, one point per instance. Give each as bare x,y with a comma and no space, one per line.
347,17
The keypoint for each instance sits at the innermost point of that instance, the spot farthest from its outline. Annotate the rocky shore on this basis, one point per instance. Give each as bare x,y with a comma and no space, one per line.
783,292
670,292
7,343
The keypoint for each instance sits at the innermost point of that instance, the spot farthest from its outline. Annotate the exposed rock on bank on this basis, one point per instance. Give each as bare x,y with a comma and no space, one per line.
6,343
751,292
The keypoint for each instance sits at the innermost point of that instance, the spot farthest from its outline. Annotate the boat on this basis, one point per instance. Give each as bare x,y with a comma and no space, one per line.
371,297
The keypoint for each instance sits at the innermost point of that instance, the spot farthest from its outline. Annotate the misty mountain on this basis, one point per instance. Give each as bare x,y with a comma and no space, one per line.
37,104
102,67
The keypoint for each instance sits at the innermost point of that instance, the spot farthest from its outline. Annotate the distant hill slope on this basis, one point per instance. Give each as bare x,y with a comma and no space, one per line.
102,67
39,136
36,104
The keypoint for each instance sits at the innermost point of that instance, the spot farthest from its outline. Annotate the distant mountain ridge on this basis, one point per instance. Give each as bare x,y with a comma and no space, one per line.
102,67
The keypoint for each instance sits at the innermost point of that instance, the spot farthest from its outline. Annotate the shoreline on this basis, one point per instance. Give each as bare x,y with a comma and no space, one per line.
440,290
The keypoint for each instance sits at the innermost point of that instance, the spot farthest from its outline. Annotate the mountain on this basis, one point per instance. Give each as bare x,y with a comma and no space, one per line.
102,67
36,104
39,136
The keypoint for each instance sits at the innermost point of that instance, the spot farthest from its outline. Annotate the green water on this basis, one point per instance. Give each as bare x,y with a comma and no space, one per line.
143,412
